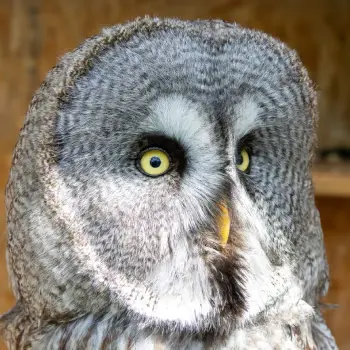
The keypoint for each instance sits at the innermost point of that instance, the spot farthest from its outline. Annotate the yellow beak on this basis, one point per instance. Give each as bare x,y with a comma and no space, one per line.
224,224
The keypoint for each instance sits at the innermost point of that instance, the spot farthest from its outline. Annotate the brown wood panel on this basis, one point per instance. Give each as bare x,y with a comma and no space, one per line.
34,33
335,218
332,179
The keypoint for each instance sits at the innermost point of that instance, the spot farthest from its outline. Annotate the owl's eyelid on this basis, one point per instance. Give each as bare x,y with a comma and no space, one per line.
245,142
160,141
150,148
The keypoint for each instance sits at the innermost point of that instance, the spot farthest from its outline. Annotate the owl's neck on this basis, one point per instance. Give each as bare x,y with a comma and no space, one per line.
111,332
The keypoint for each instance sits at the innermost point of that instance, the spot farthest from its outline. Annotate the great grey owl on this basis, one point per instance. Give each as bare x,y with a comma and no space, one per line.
160,196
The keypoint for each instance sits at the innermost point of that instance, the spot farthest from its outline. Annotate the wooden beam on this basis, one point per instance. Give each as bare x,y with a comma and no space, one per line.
332,180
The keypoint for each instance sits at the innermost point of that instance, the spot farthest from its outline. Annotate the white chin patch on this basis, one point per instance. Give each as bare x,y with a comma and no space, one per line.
183,309
182,288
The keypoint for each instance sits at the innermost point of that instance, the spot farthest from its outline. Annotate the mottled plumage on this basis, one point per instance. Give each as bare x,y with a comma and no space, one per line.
103,257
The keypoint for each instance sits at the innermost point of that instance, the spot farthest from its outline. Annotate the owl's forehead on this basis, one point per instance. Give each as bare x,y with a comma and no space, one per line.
221,71
215,68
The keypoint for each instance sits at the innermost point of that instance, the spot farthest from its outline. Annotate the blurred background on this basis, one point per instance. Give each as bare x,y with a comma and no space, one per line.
34,33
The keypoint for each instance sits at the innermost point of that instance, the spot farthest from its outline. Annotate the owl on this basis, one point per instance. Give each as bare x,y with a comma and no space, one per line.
160,196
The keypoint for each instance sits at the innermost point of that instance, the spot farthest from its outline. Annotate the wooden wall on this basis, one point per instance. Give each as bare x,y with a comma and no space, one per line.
335,217
34,33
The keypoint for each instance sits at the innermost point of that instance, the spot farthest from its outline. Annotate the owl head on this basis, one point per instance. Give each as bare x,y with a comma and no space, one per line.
162,180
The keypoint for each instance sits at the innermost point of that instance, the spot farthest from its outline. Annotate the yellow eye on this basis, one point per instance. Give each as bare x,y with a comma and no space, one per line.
243,160
154,162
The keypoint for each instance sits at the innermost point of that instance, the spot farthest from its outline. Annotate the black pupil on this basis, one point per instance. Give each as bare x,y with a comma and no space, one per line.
155,162
239,158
